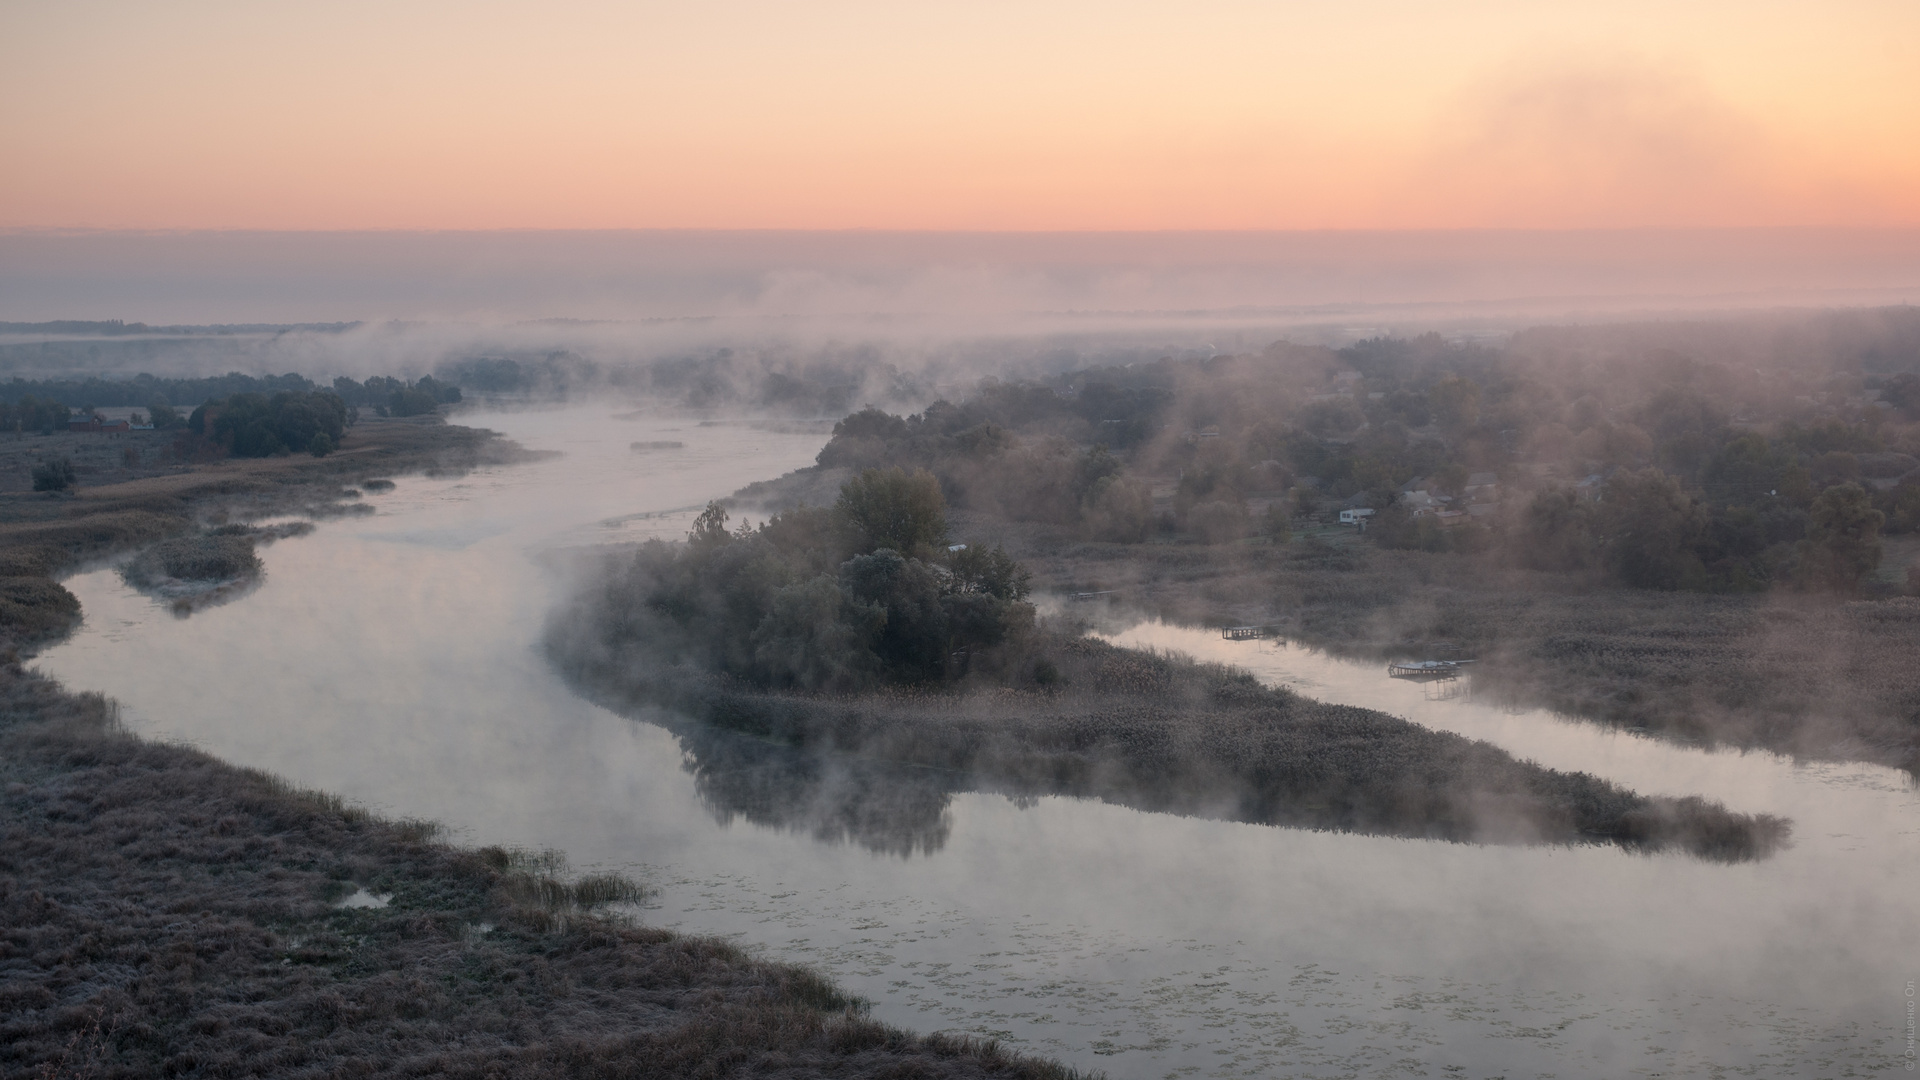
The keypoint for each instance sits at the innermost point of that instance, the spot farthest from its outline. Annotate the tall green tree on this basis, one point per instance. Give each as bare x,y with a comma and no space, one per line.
1843,539
1556,532
895,509
1653,531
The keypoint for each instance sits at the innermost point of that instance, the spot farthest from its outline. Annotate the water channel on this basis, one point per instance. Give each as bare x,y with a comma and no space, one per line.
393,659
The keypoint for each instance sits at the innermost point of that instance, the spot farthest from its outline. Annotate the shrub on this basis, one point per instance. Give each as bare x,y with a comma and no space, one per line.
209,558
56,475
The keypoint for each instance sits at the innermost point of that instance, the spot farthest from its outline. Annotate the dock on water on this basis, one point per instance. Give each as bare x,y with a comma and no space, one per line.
1426,669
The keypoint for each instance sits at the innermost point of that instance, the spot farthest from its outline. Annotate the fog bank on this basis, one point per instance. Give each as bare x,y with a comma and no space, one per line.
949,279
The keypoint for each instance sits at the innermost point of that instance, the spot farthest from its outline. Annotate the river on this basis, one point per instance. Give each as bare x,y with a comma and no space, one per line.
393,659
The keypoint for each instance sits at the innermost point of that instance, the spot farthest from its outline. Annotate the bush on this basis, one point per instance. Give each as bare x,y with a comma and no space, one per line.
210,558
56,475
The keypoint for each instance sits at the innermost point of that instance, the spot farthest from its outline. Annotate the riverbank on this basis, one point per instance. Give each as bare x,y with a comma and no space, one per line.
44,535
167,913
1814,676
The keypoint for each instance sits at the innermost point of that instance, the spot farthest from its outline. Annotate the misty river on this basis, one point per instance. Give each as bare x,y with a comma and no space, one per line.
394,659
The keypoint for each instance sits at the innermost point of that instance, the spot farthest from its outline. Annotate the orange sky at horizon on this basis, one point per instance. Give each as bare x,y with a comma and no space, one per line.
1064,116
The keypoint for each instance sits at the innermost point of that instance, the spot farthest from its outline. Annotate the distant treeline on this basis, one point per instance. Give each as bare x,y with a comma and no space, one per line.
1747,461
142,391
119,328
45,405
396,397
721,378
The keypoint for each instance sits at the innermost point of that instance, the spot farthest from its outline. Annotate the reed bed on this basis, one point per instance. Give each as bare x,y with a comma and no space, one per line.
1813,676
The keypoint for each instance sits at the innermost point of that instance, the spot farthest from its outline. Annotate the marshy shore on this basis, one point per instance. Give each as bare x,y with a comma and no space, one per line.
1814,676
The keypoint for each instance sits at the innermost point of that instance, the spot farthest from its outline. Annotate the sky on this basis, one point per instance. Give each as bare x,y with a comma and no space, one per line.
993,116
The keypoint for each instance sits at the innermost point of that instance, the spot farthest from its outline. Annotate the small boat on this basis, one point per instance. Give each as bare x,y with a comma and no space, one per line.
1426,669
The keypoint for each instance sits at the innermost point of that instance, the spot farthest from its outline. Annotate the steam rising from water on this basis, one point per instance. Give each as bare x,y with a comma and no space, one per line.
1137,943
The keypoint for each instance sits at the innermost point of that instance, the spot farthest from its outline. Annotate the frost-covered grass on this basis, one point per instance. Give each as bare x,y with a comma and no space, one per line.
162,913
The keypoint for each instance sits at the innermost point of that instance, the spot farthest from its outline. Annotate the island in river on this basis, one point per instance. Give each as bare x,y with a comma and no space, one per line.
858,631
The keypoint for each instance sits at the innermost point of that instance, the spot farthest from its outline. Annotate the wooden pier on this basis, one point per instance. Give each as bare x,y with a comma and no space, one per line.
1426,670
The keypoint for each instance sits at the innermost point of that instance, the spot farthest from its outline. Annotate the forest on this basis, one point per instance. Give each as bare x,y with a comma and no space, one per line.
1604,451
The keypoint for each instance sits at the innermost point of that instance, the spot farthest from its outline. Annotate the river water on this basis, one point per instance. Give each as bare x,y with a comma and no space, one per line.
394,659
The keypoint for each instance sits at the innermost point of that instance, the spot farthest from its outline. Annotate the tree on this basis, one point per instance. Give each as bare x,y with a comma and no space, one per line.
1275,525
912,641
164,416
896,510
1556,533
992,572
1652,530
1118,509
710,528
1843,539
811,638
412,402
255,425
1455,403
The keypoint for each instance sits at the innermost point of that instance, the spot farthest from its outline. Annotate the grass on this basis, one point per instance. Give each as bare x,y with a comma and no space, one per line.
1813,676
162,913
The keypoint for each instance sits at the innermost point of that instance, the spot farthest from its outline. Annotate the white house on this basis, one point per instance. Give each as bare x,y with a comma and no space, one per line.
1354,517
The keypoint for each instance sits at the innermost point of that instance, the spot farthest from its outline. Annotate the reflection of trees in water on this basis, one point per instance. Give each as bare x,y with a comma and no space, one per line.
836,799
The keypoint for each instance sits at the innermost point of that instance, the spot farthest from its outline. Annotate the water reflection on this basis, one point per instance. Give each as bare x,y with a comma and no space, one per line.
836,799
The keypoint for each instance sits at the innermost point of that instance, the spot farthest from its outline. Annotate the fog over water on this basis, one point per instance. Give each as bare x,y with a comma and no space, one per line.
394,659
